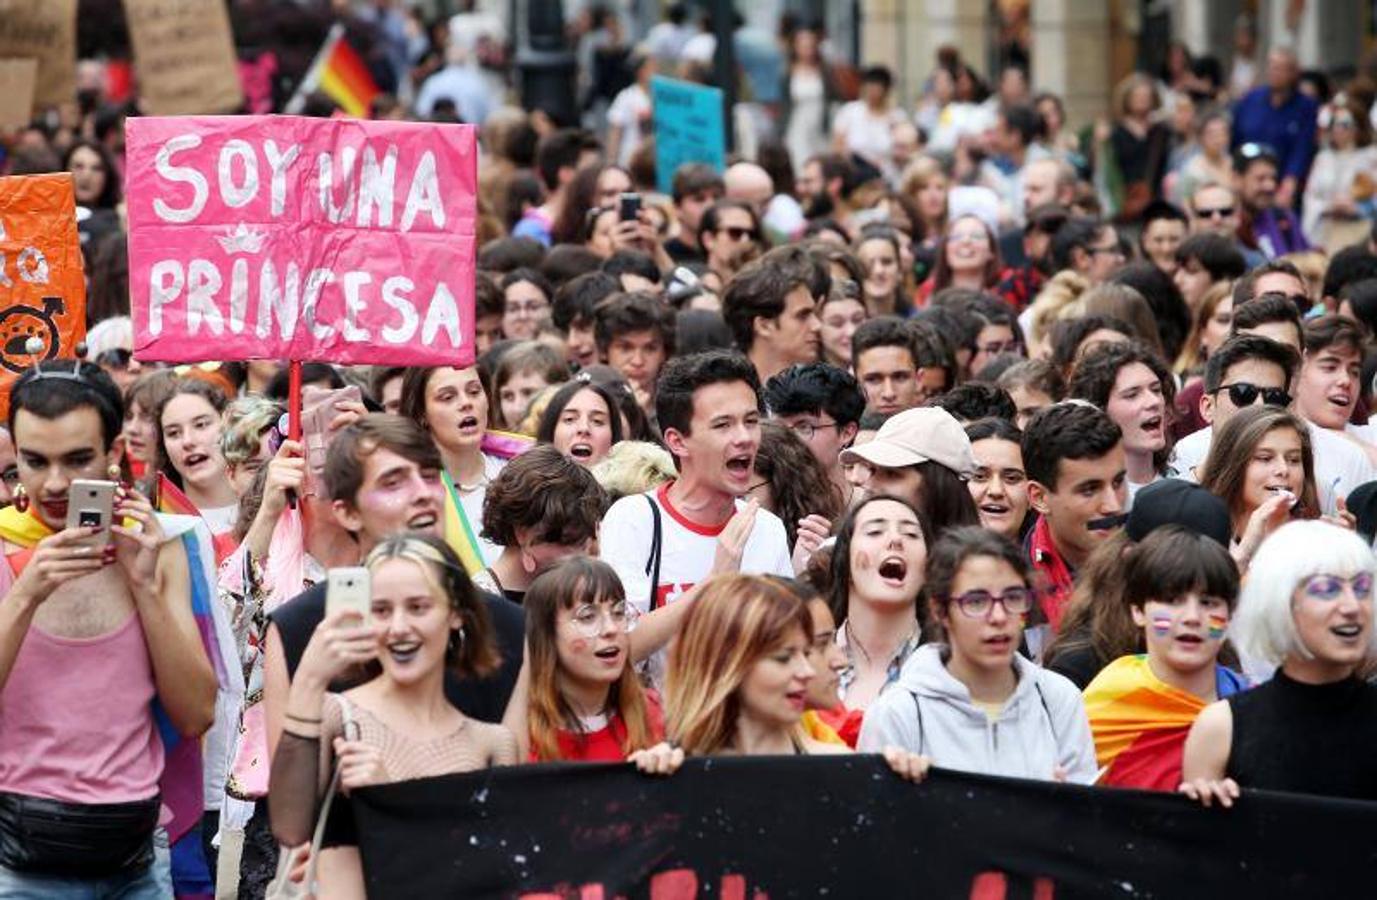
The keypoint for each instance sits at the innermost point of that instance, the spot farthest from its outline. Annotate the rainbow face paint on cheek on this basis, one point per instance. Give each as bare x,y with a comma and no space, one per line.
1217,626
1161,624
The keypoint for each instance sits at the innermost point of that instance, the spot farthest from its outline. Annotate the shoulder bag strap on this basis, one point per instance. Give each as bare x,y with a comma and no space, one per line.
351,733
652,565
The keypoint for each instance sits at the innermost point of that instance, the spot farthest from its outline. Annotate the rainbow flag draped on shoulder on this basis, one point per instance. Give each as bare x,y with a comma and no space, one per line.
185,779
1140,723
172,501
460,533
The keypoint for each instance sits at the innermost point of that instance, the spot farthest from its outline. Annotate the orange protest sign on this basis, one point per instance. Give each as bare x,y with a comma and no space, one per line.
42,285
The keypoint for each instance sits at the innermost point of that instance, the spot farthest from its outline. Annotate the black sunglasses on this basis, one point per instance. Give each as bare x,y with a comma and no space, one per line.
1242,394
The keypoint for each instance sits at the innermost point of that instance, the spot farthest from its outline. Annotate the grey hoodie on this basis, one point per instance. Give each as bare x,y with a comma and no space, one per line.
928,711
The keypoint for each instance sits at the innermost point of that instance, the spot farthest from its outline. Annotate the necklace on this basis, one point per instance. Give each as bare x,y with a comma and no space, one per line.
470,488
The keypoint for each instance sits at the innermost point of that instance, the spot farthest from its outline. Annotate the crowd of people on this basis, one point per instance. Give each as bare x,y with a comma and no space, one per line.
940,434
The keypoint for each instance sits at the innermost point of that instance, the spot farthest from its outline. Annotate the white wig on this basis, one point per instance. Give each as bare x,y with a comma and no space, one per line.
1263,628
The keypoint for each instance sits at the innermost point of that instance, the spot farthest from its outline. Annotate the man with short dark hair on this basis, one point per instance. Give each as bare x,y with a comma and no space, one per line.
1089,248
572,311
730,236
635,335
559,156
1331,374
886,365
100,655
823,186
1077,483
685,531
1202,260
822,404
695,187
1266,226
771,309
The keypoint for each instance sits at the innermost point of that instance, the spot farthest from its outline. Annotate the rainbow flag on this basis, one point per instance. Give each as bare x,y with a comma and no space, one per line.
459,532
1140,723
172,501
506,444
339,73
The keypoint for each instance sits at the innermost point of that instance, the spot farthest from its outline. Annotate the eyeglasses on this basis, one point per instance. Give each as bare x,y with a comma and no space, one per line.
968,237
1219,212
739,234
1331,587
806,430
1242,394
589,617
977,604
522,310
997,347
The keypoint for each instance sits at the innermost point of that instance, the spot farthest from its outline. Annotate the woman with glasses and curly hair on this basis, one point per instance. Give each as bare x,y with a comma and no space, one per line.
972,701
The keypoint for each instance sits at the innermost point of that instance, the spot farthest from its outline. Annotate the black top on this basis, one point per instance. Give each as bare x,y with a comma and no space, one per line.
1306,738
681,252
483,699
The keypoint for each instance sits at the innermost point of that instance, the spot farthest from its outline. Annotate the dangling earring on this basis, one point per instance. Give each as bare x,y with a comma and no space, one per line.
113,470
21,498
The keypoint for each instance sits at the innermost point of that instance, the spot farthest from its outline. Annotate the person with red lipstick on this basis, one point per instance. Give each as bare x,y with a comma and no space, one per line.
585,700
971,701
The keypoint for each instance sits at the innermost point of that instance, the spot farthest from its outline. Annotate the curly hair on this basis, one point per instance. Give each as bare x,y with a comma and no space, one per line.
798,483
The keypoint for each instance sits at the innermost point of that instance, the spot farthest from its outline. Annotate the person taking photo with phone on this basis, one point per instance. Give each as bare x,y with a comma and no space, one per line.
99,650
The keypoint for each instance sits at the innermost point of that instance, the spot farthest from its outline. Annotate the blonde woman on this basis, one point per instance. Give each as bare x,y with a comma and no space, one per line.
424,616
1060,292
738,680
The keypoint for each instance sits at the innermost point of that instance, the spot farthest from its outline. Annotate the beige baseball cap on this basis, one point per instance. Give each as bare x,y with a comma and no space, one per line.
926,434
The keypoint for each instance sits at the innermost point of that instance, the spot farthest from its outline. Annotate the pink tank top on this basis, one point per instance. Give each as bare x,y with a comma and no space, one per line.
76,718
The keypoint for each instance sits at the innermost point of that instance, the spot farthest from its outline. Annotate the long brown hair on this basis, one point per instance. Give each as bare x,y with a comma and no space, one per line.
576,580
1097,616
1231,451
735,621
942,272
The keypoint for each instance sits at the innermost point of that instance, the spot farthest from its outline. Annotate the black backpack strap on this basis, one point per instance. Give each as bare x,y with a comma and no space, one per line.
652,565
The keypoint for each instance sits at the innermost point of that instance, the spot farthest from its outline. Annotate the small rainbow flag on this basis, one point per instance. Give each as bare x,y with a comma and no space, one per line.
459,533
339,73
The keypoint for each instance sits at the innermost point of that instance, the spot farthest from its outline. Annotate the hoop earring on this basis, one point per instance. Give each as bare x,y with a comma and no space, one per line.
21,499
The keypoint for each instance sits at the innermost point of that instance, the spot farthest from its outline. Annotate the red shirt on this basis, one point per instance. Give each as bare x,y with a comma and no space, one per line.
605,744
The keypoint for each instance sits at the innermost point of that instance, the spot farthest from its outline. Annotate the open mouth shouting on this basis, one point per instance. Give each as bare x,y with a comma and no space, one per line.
893,570
194,460
739,466
1342,400
581,451
995,509
1151,426
468,425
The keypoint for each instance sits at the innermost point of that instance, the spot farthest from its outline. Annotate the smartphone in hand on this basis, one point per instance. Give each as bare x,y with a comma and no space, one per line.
348,588
91,504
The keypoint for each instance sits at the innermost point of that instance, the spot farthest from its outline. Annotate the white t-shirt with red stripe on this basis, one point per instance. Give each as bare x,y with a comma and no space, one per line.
687,549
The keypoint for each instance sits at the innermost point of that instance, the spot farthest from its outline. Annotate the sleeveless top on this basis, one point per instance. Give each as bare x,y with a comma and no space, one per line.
76,718
1306,738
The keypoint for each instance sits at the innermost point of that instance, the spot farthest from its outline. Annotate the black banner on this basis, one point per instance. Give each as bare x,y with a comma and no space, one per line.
840,827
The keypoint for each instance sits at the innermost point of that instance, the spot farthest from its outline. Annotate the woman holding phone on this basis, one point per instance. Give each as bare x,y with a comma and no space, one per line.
423,616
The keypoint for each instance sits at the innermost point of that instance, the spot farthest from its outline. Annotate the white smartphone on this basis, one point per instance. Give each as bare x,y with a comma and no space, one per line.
348,588
91,504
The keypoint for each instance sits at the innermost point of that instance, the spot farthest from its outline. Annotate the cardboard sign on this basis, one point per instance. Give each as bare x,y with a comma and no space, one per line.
184,56
688,127
18,78
42,284
278,237
44,30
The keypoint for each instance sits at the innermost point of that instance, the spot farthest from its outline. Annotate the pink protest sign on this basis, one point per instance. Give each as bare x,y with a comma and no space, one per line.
278,237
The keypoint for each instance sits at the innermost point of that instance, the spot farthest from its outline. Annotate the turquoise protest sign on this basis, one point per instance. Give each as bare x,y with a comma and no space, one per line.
688,127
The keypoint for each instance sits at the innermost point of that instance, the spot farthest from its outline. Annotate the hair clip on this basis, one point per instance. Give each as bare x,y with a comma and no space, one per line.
583,378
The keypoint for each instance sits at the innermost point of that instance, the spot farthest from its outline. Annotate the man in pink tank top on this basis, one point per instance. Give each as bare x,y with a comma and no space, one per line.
90,634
